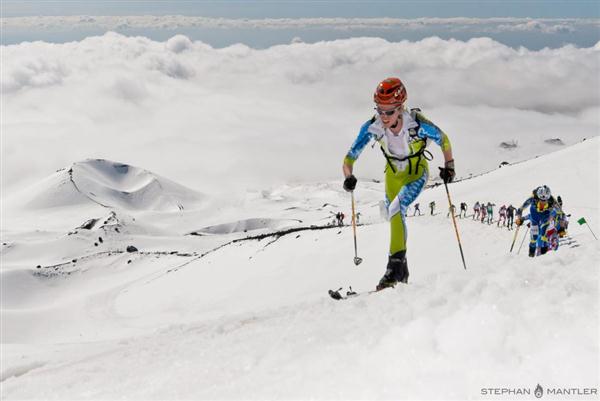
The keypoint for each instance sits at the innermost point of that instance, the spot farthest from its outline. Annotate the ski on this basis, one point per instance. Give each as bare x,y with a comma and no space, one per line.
339,296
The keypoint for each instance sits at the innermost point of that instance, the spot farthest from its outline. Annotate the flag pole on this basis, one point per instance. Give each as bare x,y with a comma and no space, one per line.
588,226
582,221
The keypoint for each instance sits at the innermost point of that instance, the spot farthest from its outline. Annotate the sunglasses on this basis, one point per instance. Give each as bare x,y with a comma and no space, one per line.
385,112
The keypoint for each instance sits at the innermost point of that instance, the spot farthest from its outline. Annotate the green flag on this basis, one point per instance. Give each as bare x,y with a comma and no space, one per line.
581,221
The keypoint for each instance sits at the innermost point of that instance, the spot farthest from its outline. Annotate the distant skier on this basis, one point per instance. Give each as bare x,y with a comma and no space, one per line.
556,228
502,216
403,135
541,210
510,214
431,207
490,212
552,237
357,216
476,211
340,218
562,218
463,210
451,209
417,209
483,212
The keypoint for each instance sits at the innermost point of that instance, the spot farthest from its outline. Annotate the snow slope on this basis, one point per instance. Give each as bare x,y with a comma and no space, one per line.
215,316
108,184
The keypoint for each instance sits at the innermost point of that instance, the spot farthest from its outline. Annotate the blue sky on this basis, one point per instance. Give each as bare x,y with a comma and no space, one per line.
296,9
62,24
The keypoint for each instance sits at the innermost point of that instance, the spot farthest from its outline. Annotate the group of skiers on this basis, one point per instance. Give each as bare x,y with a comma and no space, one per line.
338,219
418,210
484,212
548,222
403,135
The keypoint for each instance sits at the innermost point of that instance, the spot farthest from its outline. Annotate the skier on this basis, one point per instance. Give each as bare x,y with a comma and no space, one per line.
357,218
483,211
417,209
541,210
476,211
403,135
502,216
339,218
451,209
510,214
560,223
562,218
463,208
552,233
490,212
432,207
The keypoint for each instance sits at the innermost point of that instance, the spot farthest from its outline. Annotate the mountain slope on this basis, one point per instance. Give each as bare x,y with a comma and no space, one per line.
252,319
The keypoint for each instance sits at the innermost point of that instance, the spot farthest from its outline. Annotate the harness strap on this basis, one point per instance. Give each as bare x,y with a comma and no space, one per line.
387,158
423,152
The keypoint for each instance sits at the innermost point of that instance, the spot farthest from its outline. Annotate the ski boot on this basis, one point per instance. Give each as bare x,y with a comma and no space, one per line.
396,271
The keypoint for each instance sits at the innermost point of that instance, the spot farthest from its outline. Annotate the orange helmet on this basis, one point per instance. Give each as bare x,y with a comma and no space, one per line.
390,91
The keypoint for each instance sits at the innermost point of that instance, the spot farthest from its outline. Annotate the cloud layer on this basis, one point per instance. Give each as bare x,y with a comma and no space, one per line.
226,119
545,25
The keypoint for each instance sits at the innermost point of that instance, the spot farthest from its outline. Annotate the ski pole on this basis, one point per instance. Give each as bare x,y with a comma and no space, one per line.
523,240
357,260
514,238
455,227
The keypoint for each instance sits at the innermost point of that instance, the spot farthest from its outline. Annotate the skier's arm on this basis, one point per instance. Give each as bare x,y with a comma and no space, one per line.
361,141
519,218
527,202
429,130
347,169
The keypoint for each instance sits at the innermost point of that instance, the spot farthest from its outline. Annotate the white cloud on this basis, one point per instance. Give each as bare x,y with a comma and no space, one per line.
537,25
178,43
235,117
174,22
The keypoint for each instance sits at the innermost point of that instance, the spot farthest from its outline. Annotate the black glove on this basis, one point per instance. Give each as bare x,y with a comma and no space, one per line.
350,183
447,173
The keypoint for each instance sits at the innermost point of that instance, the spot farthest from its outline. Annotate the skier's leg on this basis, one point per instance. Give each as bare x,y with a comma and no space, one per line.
407,194
542,241
403,194
533,239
